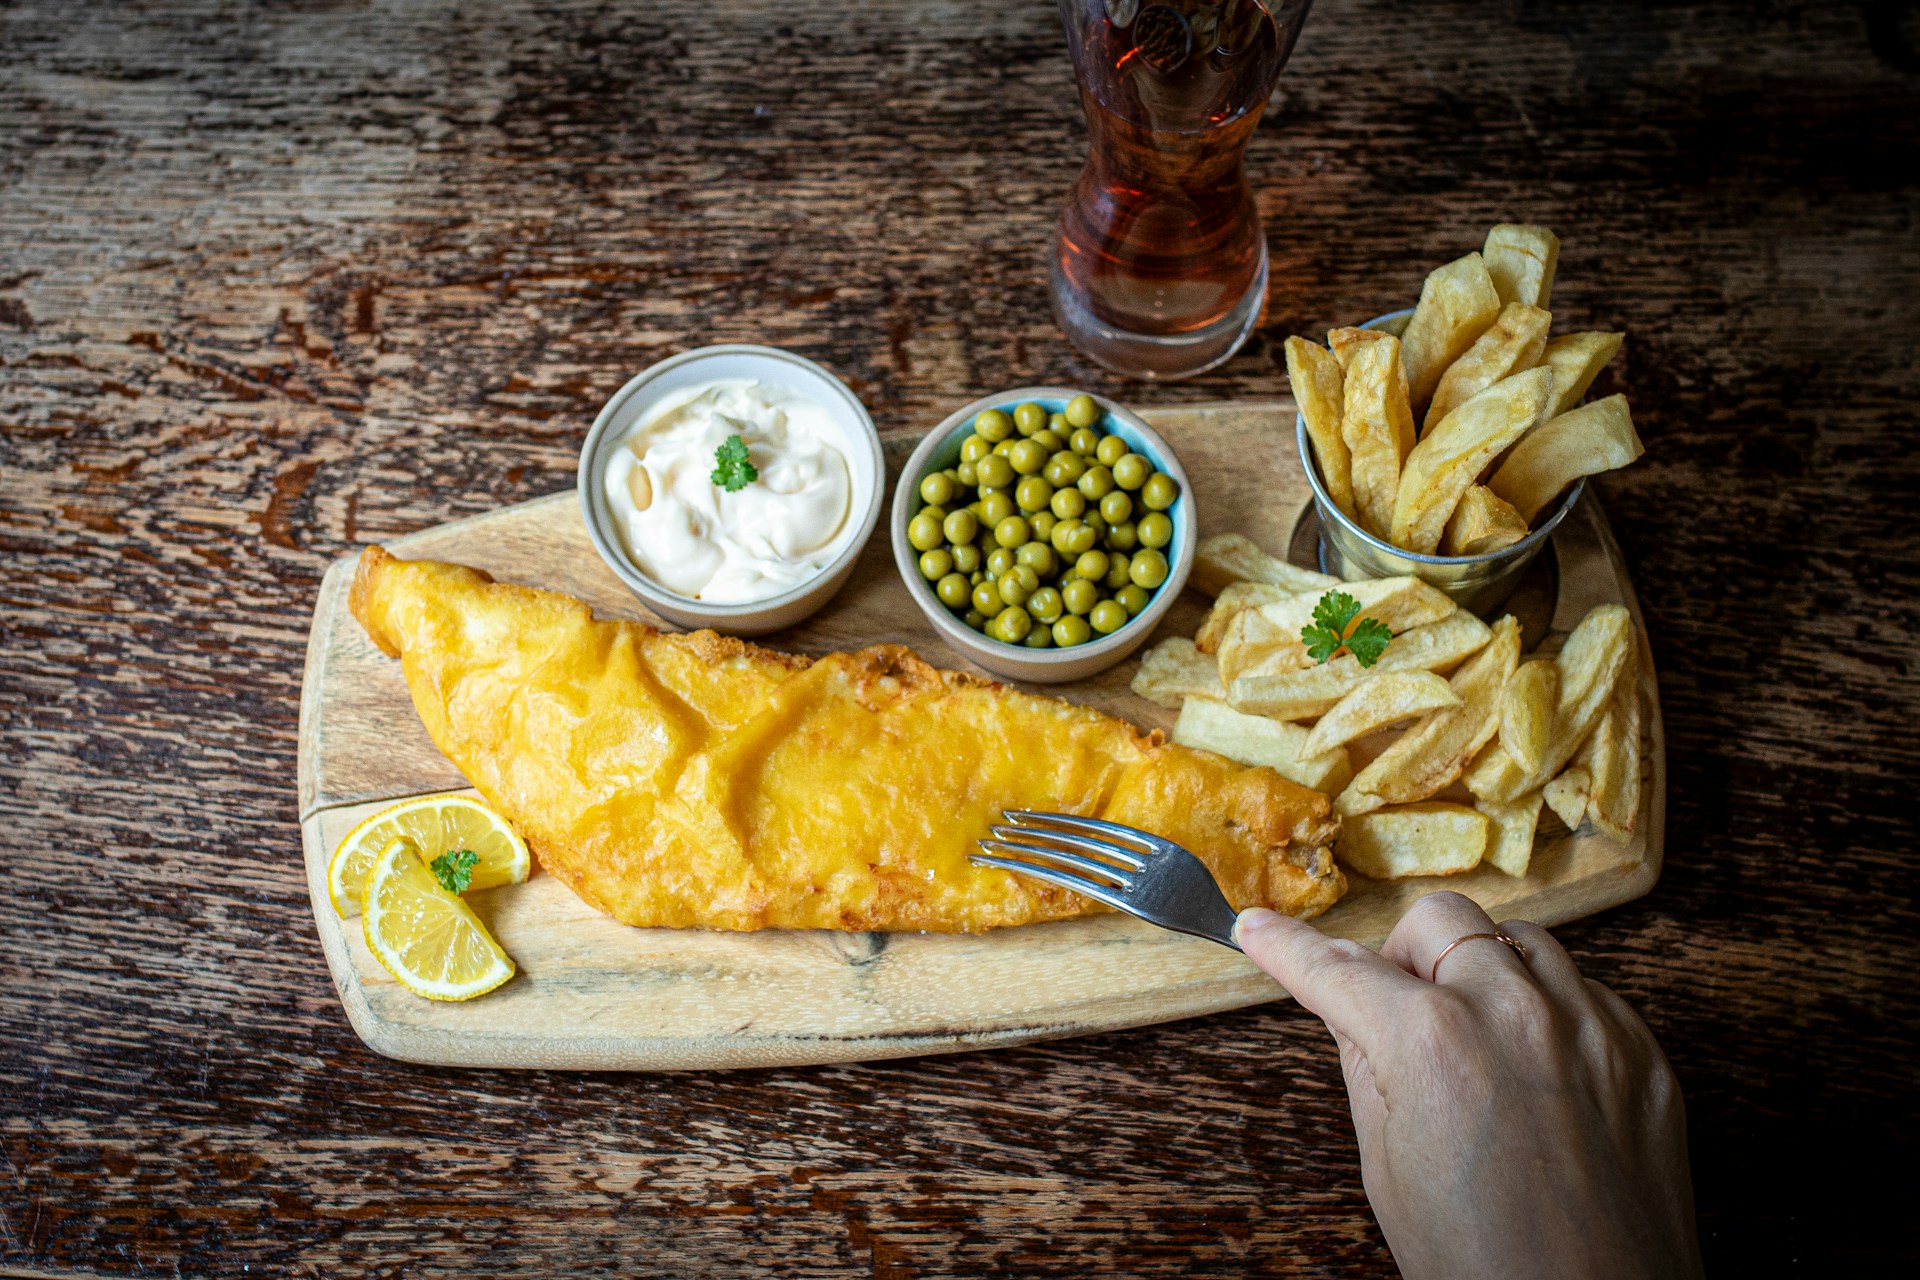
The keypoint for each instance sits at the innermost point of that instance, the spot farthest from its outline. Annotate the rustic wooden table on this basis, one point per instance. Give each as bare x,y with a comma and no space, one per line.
279,279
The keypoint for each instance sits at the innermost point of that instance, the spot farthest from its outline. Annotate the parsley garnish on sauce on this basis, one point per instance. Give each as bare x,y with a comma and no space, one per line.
1337,626
732,471
454,869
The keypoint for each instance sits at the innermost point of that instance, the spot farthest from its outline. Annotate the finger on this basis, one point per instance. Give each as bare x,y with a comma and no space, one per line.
1349,987
1550,964
1435,923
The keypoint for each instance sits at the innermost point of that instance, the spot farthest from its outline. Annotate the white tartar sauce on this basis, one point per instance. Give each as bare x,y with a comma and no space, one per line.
698,540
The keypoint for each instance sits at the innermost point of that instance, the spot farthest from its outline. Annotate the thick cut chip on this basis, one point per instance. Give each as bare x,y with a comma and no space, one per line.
1173,671
1457,303
1576,360
1581,442
1521,261
1452,455
1230,558
1231,603
1566,795
1414,840
1513,344
1377,425
1346,343
1386,699
1313,691
1429,756
1526,711
1483,523
1591,664
1215,726
1513,828
1267,637
1319,389
1612,757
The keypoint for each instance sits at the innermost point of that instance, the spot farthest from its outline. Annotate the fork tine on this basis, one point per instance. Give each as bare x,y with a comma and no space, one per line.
1065,879
1084,844
1091,866
1095,827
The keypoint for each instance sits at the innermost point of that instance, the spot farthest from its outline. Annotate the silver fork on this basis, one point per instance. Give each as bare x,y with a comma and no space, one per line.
1128,869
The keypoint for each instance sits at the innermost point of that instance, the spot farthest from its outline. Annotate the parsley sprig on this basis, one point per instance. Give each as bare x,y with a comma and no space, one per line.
1337,626
732,471
454,869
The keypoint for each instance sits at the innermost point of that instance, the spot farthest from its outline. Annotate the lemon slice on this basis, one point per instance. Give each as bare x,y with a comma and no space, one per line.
435,825
426,937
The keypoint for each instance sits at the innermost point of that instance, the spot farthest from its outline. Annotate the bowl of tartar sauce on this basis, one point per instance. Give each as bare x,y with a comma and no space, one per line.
732,487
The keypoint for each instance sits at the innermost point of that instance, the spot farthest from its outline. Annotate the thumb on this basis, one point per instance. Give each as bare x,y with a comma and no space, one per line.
1347,985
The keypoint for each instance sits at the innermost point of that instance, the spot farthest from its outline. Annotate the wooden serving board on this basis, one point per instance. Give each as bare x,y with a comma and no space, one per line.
595,994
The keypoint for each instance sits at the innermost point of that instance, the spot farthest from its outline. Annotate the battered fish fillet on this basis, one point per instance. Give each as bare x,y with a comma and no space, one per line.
695,780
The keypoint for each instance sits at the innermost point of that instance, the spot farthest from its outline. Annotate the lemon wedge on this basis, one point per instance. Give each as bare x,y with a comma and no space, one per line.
426,937
435,825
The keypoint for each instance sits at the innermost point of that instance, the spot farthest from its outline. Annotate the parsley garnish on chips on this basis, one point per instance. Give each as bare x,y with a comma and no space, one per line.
1337,626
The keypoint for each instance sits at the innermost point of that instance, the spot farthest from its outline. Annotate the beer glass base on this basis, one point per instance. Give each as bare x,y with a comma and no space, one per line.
1157,357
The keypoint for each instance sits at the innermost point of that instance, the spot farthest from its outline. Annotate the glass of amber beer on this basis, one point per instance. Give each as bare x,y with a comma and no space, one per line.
1159,266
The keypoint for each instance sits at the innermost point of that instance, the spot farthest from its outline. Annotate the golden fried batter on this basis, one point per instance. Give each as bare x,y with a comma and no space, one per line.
695,780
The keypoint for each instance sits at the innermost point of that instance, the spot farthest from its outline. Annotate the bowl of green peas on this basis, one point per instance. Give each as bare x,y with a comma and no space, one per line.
1044,532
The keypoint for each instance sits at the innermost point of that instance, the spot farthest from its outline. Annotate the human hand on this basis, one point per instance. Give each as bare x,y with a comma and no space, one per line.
1514,1118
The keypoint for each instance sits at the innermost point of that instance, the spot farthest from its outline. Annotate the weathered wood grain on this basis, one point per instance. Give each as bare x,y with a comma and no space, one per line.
277,279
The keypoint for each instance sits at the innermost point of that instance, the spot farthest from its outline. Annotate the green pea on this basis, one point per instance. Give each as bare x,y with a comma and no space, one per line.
1012,589
993,424
1149,568
1027,458
954,591
936,489
1132,471
1005,447
1132,598
1058,424
1032,493
1063,534
1092,565
986,543
966,475
1029,417
1084,441
1096,483
1108,617
999,560
1098,523
1083,538
1014,623
1065,468
1045,605
952,475
1160,491
1156,530
966,557
1068,504
974,448
1119,572
995,506
986,599
995,472
1083,410
936,564
1116,507
977,577
1042,523
1123,537
1039,557
1012,532
1027,575
1071,630
1077,594
1050,441
923,531
959,527
1110,450
975,619
935,510
1039,638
